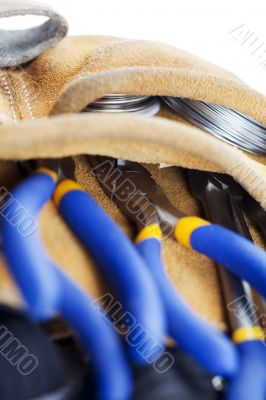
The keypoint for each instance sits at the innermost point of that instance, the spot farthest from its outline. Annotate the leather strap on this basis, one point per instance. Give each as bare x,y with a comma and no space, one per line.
20,46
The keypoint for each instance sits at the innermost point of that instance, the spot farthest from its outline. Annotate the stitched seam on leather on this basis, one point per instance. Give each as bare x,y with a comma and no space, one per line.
8,92
26,97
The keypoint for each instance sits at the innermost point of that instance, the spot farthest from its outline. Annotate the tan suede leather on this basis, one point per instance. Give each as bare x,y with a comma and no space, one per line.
41,119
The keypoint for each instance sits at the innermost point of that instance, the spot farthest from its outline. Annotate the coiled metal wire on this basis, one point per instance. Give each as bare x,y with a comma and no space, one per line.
226,124
121,103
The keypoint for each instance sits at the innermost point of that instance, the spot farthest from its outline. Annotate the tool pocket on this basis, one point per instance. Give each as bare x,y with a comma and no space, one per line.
42,117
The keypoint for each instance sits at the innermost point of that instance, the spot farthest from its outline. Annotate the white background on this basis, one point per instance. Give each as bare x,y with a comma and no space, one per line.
202,27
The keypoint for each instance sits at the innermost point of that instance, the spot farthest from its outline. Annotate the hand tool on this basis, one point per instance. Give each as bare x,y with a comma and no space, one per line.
258,216
143,202
47,290
120,180
224,123
133,283
116,257
221,198
254,211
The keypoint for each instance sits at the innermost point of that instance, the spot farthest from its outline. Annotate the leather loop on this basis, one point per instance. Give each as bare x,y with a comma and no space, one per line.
20,46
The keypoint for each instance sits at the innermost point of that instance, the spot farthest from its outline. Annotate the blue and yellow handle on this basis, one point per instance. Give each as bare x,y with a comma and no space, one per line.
48,291
207,345
247,261
116,256
250,381
237,254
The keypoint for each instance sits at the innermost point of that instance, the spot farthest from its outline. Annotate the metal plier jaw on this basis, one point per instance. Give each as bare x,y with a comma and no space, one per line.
64,168
132,188
232,189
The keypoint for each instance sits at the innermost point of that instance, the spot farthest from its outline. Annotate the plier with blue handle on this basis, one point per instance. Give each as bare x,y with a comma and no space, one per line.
143,202
222,245
222,201
47,290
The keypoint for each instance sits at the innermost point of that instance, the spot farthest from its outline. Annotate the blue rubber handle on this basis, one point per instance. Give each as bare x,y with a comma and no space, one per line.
24,254
120,262
234,252
100,340
250,382
207,345
47,290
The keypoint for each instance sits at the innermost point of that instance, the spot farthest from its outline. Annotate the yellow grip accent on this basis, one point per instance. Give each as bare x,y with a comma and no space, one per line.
248,333
47,171
67,185
150,231
185,227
